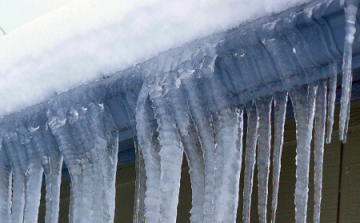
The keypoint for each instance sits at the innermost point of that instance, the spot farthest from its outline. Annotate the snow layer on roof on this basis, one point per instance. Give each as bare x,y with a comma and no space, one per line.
87,39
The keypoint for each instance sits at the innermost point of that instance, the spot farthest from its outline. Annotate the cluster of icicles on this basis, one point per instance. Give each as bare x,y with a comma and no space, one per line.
85,138
174,115
212,143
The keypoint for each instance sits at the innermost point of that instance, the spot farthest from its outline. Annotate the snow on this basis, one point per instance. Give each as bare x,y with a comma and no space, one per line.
85,40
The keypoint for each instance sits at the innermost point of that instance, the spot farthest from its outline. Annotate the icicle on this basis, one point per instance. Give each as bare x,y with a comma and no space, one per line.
171,151
193,151
18,190
129,102
228,127
140,186
88,178
280,101
5,185
263,107
206,139
250,159
331,102
76,163
229,139
85,134
320,118
51,160
105,153
303,100
33,174
145,134
351,8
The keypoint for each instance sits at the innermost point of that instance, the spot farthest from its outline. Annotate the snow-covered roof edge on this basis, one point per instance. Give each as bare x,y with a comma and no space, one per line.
84,40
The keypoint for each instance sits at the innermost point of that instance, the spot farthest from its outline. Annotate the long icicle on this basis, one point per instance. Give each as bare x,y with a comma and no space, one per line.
129,103
193,151
206,138
280,101
60,127
229,139
171,151
332,83
250,159
33,174
18,190
228,127
303,100
106,153
263,107
5,185
140,185
88,176
351,8
145,133
320,119
51,160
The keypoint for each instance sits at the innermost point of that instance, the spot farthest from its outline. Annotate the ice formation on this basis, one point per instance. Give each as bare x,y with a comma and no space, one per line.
196,100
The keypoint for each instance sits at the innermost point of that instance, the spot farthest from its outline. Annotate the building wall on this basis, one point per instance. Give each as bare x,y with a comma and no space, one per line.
341,183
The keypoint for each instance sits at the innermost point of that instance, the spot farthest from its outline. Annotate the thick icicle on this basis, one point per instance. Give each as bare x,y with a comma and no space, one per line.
5,185
263,107
171,149
18,190
229,139
280,101
332,83
129,101
250,159
148,145
88,140
351,8
303,100
320,118
193,151
206,139
33,174
228,132
105,152
77,164
51,160
91,177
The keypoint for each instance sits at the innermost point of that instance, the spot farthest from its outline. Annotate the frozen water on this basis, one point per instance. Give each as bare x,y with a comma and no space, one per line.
303,100
149,147
171,148
51,160
320,119
194,154
351,9
263,107
280,102
332,84
191,101
5,185
250,158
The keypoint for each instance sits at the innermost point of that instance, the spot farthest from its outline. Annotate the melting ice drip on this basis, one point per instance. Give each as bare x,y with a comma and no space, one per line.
184,109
